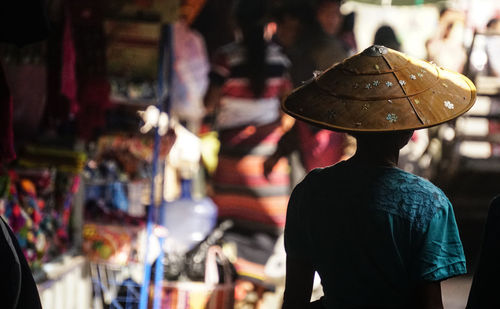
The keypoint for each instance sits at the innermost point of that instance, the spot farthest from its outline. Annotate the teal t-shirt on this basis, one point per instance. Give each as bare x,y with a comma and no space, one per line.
372,233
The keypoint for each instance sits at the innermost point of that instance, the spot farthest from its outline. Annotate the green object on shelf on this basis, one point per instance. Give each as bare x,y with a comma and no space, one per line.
64,160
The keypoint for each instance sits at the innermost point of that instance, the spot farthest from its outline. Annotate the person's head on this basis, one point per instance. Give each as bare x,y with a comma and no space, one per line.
251,17
450,19
493,25
386,36
287,30
295,19
329,16
391,141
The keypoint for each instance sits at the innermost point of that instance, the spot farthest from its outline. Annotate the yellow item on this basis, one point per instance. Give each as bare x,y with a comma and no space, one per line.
210,146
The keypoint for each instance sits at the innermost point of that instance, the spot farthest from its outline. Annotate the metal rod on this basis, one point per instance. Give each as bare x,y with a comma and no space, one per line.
165,46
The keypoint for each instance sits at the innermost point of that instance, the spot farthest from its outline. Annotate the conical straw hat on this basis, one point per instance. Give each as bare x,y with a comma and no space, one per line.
379,90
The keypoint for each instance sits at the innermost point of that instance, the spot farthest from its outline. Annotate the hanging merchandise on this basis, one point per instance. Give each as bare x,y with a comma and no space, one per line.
185,154
132,57
132,30
61,102
68,83
87,18
190,75
23,91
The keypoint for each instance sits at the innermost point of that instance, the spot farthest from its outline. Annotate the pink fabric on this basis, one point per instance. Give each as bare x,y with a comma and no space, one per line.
68,72
414,137
319,148
93,88
94,99
7,152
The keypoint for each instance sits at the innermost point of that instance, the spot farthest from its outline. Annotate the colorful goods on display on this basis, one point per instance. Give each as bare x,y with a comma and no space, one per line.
64,160
140,148
117,179
114,199
37,206
112,244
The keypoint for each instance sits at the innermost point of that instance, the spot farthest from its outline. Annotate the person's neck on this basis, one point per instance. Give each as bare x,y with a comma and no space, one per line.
375,158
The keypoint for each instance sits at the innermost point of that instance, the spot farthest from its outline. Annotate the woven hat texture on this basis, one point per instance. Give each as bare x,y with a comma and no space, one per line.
381,89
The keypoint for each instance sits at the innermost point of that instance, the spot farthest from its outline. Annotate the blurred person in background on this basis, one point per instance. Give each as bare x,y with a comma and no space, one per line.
493,46
346,34
446,48
304,39
336,25
329,16
248,78
308,34
386,36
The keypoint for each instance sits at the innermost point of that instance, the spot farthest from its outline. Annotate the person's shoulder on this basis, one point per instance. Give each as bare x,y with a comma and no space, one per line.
419,199
320,174
417,183
316,180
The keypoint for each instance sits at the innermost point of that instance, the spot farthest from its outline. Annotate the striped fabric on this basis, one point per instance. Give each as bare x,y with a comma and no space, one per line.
239,106
249,130
242,192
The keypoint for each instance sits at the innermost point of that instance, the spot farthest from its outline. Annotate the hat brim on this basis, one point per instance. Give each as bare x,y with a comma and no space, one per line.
448,95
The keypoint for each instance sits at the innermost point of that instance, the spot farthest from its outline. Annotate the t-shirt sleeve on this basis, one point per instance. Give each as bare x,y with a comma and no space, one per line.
441,255
295,234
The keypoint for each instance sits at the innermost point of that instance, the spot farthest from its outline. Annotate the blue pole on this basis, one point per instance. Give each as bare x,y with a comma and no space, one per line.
168,33
159,266
165,44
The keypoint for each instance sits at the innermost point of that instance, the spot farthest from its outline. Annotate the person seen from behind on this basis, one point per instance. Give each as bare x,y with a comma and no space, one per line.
446,48
386,36
308,36
378,236
248,78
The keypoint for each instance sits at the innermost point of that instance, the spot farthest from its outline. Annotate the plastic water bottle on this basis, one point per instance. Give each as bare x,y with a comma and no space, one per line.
189,221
